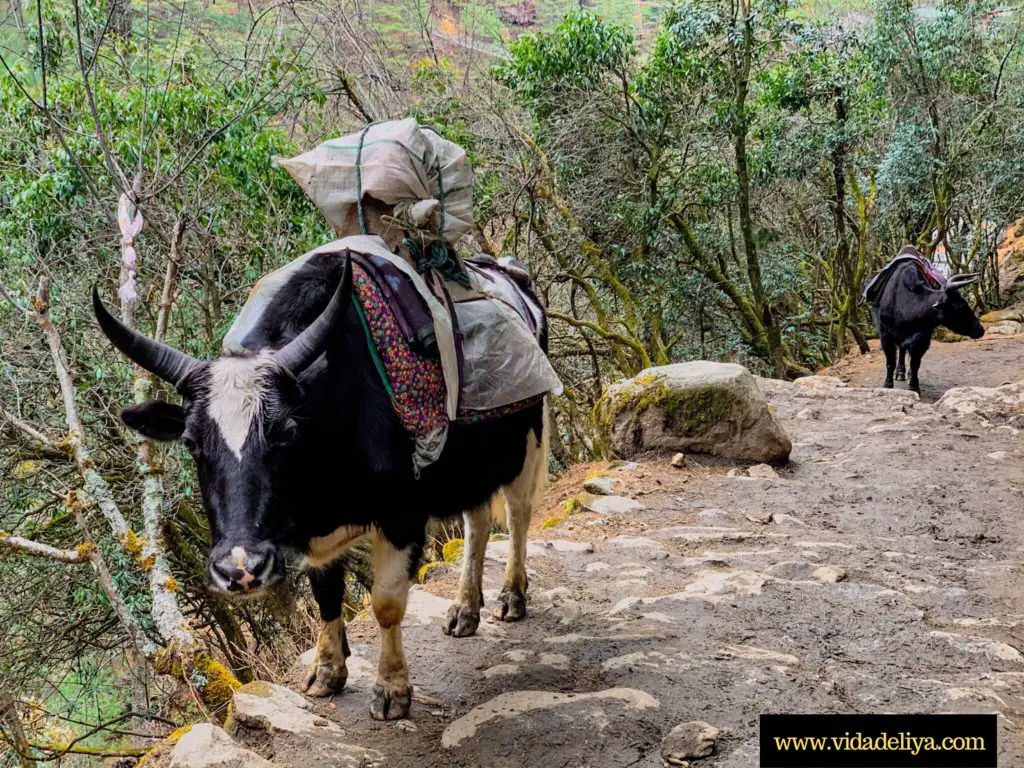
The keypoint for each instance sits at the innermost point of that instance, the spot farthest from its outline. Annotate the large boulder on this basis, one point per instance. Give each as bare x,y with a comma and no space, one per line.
1010,258
1004,328
1012,314
698,407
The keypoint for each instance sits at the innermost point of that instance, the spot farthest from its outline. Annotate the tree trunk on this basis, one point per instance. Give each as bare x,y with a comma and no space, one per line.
770,345
843,287
860,338
18,8
10,720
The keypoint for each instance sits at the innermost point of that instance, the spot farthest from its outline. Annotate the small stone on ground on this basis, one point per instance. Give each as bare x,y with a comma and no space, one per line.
207,746
689,740
602,485
614,505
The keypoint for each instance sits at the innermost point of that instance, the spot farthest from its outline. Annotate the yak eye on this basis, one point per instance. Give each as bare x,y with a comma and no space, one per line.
284,432
190,444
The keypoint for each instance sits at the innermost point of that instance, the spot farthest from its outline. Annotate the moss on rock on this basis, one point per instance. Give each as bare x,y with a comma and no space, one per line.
947,336
576,504
212,681
452,551
156,756
430,570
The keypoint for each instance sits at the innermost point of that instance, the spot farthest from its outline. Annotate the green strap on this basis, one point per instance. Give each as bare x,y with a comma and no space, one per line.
359,179
377,362
440,199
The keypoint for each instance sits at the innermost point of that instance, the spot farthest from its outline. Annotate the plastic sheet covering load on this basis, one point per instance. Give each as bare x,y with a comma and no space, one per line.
426,178
500,327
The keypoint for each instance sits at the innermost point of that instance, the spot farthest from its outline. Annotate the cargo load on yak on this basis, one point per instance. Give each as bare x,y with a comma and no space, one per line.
453,339
874,287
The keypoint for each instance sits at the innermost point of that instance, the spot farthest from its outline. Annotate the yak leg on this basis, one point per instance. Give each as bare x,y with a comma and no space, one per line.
901,366
521,497
327,672
392,695
889,348
464,615
916,354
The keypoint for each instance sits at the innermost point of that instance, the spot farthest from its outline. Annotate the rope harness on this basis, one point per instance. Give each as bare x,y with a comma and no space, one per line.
427,252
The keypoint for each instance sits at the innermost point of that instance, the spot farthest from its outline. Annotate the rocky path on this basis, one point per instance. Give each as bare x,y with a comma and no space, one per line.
992,361
880,571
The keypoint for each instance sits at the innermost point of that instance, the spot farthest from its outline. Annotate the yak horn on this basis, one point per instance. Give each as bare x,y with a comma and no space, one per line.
159,359
299,353
959,281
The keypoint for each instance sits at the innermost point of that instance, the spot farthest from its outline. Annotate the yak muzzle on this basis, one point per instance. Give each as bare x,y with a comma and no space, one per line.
245,568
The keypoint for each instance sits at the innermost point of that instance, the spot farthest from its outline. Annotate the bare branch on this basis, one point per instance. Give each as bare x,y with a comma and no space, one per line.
28,430
76,556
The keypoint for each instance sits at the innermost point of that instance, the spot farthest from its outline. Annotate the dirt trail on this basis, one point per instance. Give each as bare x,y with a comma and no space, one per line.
879,572
990,362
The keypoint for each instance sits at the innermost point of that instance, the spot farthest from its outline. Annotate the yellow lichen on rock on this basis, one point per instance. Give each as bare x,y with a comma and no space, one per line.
25,469
213,683
220,683
551,522
452,551
153,756
947,336
427,569
576,504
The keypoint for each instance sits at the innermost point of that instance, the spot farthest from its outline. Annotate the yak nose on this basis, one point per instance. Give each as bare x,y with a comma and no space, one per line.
245,568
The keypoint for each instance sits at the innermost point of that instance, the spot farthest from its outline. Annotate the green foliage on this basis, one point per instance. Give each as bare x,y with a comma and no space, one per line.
578,55
200,138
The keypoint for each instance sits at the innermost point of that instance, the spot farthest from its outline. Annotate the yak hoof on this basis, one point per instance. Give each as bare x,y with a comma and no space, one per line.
325,680
461,621
888,384
914,386
900,376
511,606
390,703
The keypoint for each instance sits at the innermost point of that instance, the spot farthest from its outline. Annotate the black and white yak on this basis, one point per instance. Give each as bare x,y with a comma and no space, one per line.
907,311
298,449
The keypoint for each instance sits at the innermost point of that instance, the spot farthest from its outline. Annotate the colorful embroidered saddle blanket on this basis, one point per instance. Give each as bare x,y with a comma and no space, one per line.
931,275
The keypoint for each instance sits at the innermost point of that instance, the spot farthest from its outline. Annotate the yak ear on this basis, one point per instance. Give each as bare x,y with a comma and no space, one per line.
155,419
